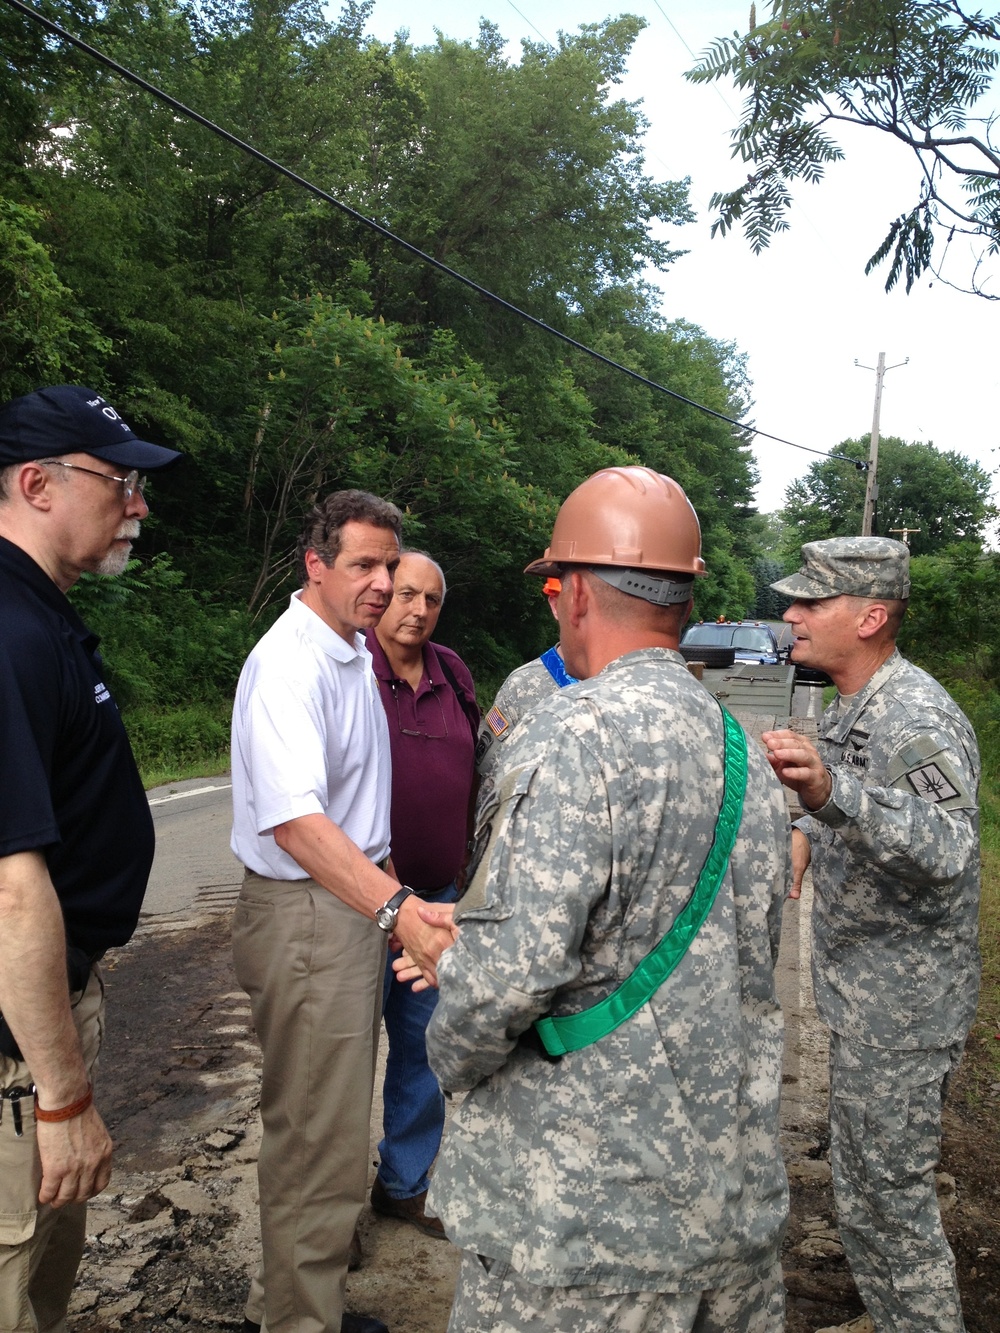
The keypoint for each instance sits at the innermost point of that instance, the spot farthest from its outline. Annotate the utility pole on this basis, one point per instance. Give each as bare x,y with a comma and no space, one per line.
871,487
905,532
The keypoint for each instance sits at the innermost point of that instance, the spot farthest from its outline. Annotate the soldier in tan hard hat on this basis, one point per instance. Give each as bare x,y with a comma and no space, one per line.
616,1162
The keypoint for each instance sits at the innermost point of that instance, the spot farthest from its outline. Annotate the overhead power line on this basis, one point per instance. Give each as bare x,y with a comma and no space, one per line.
422,255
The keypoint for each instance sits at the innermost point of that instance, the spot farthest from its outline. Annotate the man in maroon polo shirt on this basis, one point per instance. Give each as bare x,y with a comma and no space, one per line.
430,705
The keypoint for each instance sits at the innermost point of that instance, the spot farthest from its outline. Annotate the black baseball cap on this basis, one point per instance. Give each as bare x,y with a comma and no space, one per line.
69,419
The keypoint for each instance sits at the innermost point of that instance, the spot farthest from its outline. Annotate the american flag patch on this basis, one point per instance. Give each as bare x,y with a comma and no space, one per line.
496,722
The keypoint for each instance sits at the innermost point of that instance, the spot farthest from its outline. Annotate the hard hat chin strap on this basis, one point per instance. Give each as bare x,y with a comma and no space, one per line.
655,588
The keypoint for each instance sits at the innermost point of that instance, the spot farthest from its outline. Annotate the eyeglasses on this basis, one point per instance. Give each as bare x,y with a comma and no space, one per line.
129,484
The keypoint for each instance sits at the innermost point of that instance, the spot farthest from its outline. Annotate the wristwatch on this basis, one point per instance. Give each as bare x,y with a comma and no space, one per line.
385,916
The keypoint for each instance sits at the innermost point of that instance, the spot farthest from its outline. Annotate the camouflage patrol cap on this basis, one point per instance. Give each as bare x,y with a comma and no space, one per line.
851,566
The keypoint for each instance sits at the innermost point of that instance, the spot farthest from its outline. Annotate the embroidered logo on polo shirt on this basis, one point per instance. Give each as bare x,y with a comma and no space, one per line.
930,783
101,693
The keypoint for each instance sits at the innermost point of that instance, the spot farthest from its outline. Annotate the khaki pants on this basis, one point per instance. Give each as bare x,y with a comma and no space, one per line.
312,968
40,1248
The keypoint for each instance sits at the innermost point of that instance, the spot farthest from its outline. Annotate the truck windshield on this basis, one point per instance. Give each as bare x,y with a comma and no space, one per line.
750,636
721,636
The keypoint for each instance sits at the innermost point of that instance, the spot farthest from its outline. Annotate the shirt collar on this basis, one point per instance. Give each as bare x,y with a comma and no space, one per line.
842,722
323,636
19,565
383,669
652,654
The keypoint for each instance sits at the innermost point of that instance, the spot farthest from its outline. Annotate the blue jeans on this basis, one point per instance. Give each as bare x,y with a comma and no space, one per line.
412,1104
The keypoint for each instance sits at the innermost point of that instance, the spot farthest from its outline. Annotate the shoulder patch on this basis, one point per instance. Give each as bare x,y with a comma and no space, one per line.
931,783
483,745
497,722
926,767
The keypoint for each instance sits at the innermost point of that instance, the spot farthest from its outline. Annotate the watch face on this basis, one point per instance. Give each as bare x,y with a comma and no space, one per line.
385,916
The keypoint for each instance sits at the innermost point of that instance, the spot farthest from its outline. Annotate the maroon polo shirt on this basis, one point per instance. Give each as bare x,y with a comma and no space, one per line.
433,759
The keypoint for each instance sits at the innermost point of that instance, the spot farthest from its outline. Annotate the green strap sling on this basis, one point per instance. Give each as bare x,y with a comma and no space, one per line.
572,1032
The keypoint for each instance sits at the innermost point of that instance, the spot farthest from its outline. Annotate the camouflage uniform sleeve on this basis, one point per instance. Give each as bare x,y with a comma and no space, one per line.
920,826
521,927
495,728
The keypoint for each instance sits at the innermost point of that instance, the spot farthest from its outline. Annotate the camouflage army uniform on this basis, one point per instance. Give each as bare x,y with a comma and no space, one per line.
522,691
649,1161
895,864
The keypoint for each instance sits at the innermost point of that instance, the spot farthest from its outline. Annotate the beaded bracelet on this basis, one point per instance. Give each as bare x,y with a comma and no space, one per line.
65,1112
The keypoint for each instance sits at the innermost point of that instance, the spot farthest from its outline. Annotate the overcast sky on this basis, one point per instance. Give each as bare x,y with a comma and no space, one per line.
804,311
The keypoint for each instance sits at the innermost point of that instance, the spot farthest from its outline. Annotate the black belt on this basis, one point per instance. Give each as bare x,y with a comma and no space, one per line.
427,893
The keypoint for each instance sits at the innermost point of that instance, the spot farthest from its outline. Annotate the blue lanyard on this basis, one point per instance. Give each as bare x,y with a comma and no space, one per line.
556,668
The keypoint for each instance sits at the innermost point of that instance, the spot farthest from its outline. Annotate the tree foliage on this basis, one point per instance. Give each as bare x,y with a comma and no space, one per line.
530,180
44,336
288,350
917,70
944,494
954,612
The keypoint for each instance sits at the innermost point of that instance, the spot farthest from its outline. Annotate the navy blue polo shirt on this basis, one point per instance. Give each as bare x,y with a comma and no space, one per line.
69,786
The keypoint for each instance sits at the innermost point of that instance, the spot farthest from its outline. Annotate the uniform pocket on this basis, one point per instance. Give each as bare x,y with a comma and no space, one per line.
480,898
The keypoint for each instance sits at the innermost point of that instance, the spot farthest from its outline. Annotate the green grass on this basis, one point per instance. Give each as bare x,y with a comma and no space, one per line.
172,744
160,777
984,1046
980,701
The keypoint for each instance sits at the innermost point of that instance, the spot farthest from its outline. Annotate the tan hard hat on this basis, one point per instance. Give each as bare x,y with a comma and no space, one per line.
627,516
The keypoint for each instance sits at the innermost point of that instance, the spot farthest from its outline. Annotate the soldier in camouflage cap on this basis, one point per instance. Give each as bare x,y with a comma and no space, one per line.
850,567
637,1182
893,838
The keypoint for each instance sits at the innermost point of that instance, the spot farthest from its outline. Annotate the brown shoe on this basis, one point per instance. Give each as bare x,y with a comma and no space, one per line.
407,1210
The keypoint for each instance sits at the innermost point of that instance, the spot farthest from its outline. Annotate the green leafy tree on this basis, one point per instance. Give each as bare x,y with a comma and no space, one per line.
34,71
191,276
916,70
344,406
768,604
944,494
44,336
953,620
530,180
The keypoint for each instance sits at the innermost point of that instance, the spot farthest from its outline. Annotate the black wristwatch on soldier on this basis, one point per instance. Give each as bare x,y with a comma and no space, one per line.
385,916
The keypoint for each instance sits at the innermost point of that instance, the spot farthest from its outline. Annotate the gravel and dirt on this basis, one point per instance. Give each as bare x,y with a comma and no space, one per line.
173,1239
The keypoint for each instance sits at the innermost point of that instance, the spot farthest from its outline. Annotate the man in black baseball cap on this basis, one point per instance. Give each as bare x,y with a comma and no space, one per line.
76,837
52,444
68,418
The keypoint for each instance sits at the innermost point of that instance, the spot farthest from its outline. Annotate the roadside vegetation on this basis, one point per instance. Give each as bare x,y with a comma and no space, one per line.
953,629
